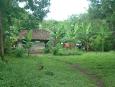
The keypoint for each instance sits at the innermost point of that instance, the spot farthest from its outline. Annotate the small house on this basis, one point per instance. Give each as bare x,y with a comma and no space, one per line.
40,38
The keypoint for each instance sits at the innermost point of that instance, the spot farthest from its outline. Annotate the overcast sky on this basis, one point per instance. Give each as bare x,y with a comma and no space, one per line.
62,9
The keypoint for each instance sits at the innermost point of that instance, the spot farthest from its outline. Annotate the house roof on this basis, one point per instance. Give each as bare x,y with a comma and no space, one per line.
36,34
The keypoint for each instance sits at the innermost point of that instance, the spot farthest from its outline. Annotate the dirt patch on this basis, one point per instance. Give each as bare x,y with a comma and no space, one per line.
92,76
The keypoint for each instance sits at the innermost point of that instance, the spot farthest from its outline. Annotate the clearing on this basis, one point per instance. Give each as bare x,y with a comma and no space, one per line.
86,70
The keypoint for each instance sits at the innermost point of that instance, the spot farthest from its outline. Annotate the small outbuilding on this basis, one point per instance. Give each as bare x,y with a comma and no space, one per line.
40,37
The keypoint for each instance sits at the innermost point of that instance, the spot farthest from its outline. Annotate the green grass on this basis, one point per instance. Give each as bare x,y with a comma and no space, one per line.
25,72
102,64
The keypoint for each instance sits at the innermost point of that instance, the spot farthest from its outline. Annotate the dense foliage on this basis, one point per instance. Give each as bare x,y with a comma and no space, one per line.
13,18
95,30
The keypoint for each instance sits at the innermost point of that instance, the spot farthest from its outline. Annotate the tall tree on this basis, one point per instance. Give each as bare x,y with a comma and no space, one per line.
4,5
104,10
38,9
1,38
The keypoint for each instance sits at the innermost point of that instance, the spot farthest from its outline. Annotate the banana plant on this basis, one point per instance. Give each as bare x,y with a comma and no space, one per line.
27,41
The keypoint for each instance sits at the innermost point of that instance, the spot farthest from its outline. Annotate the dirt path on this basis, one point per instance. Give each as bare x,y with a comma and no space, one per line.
99,82
91,76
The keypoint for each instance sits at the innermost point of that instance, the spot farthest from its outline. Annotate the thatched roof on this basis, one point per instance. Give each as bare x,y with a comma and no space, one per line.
36,34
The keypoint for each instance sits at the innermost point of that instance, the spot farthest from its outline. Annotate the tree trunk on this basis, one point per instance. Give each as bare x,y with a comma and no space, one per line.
1,38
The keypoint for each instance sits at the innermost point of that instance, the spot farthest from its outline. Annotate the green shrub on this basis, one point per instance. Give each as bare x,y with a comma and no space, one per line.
73,51
46,50
19,52
55,50
8,50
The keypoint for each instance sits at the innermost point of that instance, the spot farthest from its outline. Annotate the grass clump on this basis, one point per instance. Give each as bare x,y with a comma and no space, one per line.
73,51
19,52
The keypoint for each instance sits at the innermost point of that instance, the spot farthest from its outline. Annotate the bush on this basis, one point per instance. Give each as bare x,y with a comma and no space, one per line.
55,50
8,50
46,50
19,52
65,52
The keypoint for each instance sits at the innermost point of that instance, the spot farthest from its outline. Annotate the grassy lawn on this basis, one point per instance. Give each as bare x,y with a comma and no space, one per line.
101,64
57,70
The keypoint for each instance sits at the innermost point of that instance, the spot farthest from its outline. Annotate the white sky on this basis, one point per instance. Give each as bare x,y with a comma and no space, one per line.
62,9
